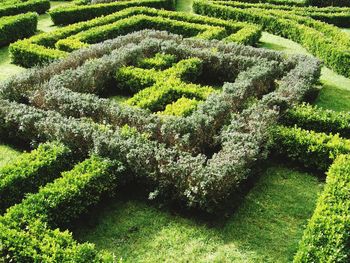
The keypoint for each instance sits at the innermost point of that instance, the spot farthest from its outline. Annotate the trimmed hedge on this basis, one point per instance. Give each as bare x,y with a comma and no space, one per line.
30,171
73,14
327,236
40,49
10,8
16,27
195,133
338,16
311,149
156,89
181,107
314,118
27,235
322,40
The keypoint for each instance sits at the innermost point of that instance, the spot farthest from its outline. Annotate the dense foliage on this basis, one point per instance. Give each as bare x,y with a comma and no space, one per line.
53,45
17,27
27,233
322,40
327,236
30,171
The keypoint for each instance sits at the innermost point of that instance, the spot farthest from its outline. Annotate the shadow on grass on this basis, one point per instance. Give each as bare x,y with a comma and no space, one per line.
266,227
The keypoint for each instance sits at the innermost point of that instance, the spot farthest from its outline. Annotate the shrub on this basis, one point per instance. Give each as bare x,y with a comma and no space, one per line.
40,49
74,14
30,171
311,149
322,120
327,235
28,236
181,107
16,27
334,15
322,40
10,8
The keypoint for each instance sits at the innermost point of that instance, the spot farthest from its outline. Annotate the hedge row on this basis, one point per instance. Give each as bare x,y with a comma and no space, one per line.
327,236
73,14
16,27
334,15
192,179
40,49
155,89
311,149
322,40
194,133
10,8
306,3
27,233
30,171
322,120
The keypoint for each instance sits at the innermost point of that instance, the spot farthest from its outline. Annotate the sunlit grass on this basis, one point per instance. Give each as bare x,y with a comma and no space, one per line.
266,227
7,154
335,93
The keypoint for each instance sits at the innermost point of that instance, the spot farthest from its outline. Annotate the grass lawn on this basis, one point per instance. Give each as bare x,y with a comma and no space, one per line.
266,227
335,93
7,153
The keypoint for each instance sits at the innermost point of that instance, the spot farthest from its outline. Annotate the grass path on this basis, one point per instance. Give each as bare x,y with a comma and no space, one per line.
266,228
7,153
335,93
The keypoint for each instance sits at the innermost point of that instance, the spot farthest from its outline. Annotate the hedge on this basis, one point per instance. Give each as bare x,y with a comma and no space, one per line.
155,89
10,8
195,133
306,3
27,234
338,16
30,171
322,40
327,235
311,149
73,14
40,49
315,118
16,27
181,107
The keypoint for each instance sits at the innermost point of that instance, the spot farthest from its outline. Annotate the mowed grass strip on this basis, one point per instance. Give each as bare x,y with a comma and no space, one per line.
266,227
335,92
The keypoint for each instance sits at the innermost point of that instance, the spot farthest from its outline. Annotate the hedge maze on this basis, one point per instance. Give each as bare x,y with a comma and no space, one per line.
186,158
323,40
18,19
199,110
49,46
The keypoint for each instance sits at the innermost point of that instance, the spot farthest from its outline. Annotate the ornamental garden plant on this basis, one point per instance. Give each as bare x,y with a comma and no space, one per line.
183,110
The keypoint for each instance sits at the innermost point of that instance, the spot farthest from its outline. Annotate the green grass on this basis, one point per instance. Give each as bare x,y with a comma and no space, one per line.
265,228
335,93
7,154
184,5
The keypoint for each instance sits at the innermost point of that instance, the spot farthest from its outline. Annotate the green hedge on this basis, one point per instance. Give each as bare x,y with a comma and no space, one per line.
30,171
16,27
27,234
314,118
327,236
156,89
40,48
74,14
311,149
10,8
181,107
338,16
327,2
322,40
